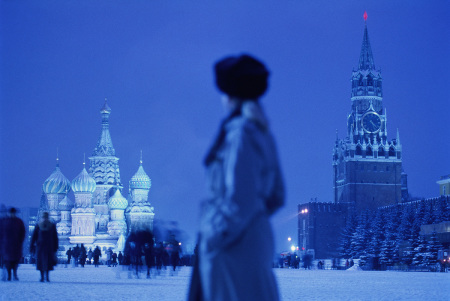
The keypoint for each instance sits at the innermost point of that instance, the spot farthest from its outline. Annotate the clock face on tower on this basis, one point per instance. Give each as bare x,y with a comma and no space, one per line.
371,122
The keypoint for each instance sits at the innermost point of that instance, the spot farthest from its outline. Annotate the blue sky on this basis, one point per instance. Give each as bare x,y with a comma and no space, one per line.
153,61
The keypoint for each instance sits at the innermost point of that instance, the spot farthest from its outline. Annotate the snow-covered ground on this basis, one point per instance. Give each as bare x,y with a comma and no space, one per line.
102,283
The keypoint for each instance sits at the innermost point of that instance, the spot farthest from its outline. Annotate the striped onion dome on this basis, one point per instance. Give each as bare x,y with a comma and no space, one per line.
66,204
56,183
117,201
83,182
140,180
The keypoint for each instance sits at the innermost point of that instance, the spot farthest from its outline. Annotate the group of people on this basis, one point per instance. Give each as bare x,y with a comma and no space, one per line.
80,256
44,245
140,250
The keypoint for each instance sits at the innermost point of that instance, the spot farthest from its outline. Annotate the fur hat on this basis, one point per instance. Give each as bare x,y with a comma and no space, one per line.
241,76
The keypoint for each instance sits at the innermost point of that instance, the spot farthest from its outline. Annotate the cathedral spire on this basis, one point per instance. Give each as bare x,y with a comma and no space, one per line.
366,57
57,157
104,145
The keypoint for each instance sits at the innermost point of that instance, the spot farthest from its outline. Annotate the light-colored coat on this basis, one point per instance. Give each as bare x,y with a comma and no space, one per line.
236,241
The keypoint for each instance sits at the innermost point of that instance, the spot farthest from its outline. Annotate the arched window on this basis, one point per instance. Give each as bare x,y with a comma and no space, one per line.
360,82
381,151
358,150
369,152
392,151
369,81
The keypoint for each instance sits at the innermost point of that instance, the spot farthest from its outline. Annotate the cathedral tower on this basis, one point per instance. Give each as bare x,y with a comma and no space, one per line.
104,168
367,166
140,213
83,214
55,188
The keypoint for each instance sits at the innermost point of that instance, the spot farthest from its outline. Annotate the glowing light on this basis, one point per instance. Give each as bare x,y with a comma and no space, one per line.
293,248
365,16
289,238
306,210
179,243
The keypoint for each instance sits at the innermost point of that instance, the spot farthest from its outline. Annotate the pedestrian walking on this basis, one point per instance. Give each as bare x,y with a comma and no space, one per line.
97,254
114,259
246,188
45,243
89,255
12,236
83,255
2,263
69,255
120,257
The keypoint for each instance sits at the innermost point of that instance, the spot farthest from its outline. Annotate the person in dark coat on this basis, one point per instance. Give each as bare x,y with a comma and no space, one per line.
89,255
83,255
13,235
158,251
45,243
147,242
76,254
114,259
120,258
97,254
2,217
69,255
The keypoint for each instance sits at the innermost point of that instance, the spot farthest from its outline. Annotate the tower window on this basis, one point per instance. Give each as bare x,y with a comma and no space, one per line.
391,151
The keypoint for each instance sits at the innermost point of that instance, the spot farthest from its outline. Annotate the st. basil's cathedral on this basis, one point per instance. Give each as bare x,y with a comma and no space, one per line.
100,215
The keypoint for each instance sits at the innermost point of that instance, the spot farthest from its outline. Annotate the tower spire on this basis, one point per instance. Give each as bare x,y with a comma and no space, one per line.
104,145
366,57
141,157
57,157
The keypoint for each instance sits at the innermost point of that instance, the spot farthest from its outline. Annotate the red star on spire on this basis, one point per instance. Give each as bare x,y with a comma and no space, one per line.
365,16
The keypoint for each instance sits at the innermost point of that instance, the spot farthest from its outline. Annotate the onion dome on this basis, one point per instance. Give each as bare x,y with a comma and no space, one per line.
66,204
83,182
56,183
140,180
117,201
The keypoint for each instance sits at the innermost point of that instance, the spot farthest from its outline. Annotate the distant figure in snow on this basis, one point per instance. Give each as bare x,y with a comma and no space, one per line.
158,251
12,236
76,254
135,246
120,257
2,263
83,255
69,255
114,259
108,256
97,254
89,255
245,189
45,243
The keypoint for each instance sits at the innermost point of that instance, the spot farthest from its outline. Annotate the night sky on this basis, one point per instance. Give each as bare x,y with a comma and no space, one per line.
153,61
